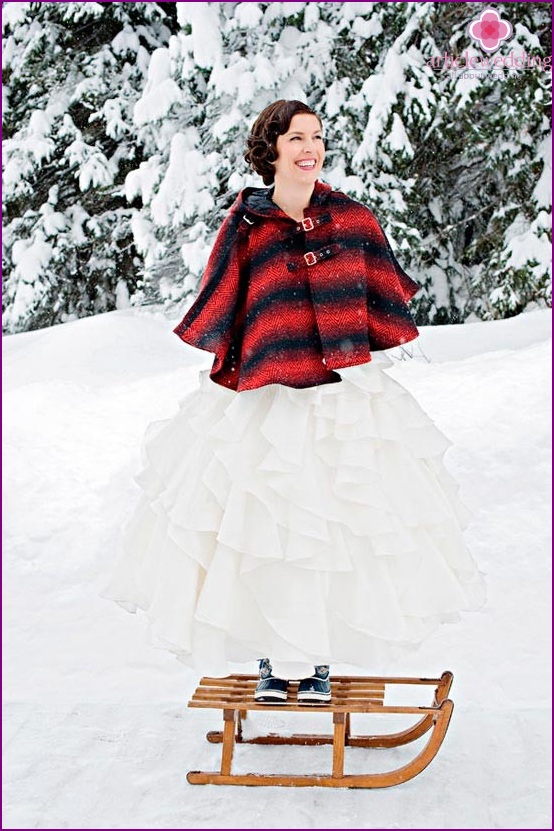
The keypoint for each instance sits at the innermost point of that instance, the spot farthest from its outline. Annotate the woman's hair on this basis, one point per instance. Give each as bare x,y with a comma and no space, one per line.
261,143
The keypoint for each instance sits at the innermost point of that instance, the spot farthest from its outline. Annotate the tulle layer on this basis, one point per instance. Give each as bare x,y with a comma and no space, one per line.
311,526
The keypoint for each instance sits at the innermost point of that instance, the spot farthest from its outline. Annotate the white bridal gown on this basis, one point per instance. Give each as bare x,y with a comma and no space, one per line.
310,526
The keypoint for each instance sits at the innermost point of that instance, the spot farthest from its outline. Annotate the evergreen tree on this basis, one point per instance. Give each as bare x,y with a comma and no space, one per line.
117,178
425,149
72,72
482,198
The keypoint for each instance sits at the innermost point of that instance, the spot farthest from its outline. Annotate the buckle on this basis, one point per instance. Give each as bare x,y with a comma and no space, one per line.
310,258
308,224
248,220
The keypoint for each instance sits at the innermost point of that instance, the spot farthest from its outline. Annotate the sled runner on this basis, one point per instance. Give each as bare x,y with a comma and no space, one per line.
350,694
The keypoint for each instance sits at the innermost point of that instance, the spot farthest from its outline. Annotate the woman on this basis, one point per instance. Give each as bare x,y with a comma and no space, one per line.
297,506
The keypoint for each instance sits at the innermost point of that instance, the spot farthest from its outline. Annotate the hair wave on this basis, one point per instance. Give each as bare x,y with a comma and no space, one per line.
261,144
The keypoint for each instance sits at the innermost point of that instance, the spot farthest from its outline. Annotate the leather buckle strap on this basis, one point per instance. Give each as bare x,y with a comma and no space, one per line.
313,257
309,223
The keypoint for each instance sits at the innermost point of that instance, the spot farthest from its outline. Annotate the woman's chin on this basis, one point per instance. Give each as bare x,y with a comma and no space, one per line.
306,175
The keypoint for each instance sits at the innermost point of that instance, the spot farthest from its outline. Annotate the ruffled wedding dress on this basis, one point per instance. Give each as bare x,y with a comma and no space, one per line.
311,526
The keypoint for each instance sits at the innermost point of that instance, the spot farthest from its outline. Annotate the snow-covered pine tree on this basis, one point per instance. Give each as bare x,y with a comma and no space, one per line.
72,72
203,92
457,170
506,178
458,166
382,105
482,198
401,137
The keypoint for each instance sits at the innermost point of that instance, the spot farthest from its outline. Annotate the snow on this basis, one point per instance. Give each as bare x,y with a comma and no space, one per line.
142,181
185,188
398,138
78,216
53,221
524,38
94,169
111,111
20,154
527,243
379,91
542,192
31,258
97,731
194,258
264,72
350,11
235,80
248,15
160,92
336,95
206,40
311,17
144,238
83,9
126,42
13,13
226,123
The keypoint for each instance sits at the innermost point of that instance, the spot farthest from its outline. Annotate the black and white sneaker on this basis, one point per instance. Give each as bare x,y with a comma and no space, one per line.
317,688
270,690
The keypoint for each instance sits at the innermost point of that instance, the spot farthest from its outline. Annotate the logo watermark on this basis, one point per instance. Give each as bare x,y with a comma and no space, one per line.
512,60
489,31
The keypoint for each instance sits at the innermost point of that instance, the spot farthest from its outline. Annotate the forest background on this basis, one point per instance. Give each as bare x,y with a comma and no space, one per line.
125,123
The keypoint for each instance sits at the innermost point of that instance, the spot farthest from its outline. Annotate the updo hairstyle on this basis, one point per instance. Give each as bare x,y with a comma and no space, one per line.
261,143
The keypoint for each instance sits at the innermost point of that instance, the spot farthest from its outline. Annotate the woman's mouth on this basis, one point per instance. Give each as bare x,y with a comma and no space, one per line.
306,164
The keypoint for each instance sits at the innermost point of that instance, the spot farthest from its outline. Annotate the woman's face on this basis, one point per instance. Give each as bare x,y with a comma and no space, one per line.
300,151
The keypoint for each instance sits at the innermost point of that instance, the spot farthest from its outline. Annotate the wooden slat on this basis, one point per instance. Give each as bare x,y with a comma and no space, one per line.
307,739
229,683
381,679
335,685
240,701
347,707
350,694
246,695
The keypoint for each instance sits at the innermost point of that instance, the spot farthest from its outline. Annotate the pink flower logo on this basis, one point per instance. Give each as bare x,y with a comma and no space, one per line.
489,30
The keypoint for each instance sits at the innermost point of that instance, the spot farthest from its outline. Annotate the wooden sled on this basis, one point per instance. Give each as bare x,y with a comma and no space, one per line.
350,694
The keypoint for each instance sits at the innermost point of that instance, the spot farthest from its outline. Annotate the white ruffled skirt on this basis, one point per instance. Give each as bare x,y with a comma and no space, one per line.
310,526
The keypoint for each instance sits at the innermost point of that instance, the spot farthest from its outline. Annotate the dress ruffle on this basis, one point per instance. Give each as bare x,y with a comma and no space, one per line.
311,526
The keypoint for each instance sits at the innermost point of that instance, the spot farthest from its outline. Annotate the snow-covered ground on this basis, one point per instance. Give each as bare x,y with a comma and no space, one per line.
97,732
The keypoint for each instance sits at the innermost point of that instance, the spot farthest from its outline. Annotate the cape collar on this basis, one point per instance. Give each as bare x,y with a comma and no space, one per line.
259,200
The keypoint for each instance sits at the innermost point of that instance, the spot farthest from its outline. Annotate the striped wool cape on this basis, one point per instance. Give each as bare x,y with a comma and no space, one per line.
287,302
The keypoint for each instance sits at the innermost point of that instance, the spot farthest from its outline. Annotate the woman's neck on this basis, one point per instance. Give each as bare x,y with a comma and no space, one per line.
293,200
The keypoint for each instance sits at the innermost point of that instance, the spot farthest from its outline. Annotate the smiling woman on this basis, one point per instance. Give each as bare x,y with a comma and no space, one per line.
296,510
286,148
278,125
300,156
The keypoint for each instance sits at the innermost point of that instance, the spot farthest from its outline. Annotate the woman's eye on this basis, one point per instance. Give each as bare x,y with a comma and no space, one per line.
297,138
